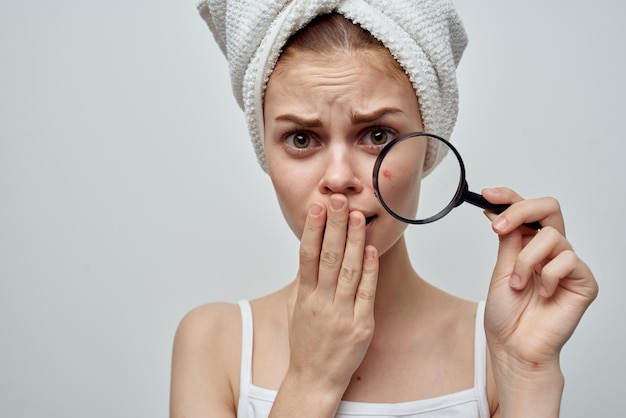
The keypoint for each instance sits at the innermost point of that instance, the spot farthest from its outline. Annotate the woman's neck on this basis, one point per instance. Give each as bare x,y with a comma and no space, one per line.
399,286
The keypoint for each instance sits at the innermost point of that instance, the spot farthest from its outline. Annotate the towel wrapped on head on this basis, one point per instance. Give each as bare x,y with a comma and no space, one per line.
426,37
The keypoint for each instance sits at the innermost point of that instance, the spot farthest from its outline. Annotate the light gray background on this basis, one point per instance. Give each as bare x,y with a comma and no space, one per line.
129,192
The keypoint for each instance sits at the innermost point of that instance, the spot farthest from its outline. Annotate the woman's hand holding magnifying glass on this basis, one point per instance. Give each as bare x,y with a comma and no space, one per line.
539,291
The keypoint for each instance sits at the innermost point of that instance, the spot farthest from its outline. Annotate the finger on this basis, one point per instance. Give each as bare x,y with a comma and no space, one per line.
568,271
545,246
333,245
546,211
352,265
509,248
501,195
310,245
510,244
366,290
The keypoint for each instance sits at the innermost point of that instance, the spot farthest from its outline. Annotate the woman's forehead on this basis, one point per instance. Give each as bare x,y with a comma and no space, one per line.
306,82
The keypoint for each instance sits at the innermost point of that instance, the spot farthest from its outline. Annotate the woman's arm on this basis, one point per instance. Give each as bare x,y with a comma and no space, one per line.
539,291
205,357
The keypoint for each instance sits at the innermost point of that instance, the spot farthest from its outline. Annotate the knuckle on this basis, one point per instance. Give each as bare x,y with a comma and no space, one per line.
307,256
364,334
549,273
370,270
329,259
312,227
595,289
553,204
347,275
365,293
525,260
366,330
550,233
570,256
337,221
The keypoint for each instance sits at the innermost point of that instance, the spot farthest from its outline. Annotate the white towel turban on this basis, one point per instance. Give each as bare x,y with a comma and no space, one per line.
426,37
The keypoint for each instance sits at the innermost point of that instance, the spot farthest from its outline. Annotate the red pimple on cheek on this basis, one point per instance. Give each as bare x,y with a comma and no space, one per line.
386,173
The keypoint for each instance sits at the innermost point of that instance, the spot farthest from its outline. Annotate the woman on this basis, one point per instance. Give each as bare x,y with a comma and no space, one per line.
359,332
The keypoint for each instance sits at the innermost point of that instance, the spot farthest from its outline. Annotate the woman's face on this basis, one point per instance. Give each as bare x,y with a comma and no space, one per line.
326,120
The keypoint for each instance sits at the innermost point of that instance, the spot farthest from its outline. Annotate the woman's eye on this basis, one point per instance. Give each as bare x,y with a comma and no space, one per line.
300,140
379,136
299,143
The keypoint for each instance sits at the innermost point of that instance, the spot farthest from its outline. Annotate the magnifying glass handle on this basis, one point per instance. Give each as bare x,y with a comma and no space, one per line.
477,200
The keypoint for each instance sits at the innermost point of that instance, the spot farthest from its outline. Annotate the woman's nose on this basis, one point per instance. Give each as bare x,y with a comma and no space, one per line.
341,174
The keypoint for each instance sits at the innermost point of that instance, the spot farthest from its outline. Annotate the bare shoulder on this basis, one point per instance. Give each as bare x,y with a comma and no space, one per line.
205,362
202,324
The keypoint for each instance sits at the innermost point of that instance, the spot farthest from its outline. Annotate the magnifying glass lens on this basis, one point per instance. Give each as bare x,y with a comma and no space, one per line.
410,187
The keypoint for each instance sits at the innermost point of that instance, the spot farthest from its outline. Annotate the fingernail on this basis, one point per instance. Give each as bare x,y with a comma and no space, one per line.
336,203
515,280
354,220
315,209
500,223
543,291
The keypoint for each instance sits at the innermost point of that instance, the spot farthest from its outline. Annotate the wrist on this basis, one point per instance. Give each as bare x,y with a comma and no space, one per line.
528,389
304,396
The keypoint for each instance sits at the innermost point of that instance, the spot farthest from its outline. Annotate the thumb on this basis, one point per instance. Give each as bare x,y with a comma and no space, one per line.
510,245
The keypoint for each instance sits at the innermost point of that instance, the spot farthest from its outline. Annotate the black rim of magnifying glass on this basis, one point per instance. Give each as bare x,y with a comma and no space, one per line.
462,194
458,195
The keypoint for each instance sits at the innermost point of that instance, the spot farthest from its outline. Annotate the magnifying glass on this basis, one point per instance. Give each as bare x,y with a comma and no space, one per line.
415,193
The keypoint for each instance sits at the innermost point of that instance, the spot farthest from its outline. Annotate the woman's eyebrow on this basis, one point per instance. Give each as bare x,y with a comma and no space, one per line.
355,117
373,116
300,121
